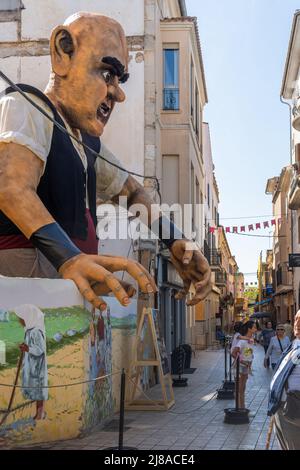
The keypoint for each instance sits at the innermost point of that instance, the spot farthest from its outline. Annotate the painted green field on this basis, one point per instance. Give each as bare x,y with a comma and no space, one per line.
57,321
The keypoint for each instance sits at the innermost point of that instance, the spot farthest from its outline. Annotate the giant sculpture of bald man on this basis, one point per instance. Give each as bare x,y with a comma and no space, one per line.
49,184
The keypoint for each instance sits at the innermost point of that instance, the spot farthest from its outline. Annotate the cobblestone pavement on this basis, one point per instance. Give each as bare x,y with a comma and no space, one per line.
196,421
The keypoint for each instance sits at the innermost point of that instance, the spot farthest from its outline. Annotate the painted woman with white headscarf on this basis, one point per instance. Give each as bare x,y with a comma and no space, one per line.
34,373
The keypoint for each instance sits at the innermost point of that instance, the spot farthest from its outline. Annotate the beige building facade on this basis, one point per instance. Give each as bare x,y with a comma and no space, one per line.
290,95
207,312
283,298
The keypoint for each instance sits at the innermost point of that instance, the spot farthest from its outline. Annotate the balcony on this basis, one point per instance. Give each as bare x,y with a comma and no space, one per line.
220,278
212,255
283,276
171,99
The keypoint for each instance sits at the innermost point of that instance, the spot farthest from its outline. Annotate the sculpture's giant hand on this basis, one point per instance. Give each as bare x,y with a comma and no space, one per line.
93,275
193,268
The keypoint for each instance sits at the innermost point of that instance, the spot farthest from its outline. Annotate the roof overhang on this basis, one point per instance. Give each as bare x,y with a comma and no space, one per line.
292,64
283,290
272,185
189,22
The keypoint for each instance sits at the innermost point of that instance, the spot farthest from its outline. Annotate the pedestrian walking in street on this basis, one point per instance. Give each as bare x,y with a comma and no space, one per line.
267,333
245,350
238,335
278,344
288,329
284,399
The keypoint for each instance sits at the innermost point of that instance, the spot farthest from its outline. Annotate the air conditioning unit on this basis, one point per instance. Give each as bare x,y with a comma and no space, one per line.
294,193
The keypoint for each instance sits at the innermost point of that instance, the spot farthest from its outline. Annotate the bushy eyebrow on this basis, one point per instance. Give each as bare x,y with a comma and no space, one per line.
117,67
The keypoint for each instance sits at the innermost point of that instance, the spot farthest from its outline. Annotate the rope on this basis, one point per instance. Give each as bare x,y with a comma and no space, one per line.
172,412
65,385
62,129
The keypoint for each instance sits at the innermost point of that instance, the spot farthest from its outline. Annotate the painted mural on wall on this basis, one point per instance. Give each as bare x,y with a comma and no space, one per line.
123,323
49,338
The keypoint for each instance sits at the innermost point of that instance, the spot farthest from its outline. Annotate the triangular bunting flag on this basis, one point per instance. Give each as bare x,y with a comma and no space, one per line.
235,229
250,228
273,222
257,226
227,229
212,229
243,229
266,224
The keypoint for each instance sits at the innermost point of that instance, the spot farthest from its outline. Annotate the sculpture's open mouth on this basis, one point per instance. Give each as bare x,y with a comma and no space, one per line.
103,112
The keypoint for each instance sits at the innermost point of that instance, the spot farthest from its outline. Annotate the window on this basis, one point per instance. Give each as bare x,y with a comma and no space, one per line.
10,5
198,213
170,188
192,90
193,196
197,112
216,217
208,195
171,79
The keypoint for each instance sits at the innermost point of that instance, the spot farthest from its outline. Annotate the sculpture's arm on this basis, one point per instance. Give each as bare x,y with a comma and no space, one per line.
186,257
20,172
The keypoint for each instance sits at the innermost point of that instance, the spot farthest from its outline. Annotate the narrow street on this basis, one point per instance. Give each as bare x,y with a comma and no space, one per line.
196,421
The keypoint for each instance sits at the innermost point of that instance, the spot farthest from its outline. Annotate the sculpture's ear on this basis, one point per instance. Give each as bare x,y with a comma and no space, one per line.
63,46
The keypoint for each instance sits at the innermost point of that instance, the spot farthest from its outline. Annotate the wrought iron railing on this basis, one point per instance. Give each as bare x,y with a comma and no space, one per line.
220,278
171,99
212,255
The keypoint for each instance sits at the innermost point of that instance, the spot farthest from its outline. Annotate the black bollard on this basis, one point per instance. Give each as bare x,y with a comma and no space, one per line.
121,416
122,410
237,384
230,384
237,415
180,382
226,392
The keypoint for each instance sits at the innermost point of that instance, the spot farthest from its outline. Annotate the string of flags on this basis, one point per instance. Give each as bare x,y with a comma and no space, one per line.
247,228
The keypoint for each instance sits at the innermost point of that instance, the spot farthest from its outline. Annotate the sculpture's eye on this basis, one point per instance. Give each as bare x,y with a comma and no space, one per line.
108,76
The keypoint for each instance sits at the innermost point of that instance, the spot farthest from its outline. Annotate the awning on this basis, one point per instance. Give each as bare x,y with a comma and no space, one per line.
265,301
260,315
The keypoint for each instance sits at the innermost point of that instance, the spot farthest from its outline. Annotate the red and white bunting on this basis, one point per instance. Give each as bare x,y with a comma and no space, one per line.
249,228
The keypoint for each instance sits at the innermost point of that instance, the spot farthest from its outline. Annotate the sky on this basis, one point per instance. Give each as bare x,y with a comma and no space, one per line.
244,45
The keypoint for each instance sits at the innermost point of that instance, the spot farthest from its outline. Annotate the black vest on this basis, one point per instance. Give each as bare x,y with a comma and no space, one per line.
62,186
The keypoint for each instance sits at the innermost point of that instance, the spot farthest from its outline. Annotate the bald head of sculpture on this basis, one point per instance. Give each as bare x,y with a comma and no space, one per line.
89,60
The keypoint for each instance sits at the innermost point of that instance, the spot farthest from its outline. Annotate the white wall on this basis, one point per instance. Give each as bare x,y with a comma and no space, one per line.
124,134
40,16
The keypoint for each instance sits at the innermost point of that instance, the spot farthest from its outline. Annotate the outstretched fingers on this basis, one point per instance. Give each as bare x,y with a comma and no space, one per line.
141,275
136,270
102,275
88,293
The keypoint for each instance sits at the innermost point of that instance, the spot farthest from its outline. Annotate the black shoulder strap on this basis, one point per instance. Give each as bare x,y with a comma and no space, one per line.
33,91
280,344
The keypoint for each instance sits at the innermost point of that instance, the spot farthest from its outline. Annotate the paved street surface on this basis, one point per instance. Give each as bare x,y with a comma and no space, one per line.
196,421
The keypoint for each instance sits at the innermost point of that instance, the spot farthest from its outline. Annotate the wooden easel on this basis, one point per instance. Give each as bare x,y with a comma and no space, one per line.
136,367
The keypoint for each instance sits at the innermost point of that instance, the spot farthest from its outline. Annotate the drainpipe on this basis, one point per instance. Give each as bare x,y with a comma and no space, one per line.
182,6
291,135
